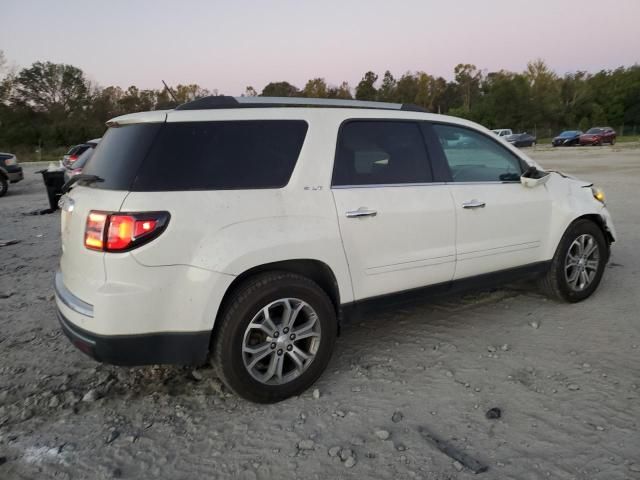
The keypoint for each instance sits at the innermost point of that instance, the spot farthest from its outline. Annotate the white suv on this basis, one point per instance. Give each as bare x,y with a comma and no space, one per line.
246,230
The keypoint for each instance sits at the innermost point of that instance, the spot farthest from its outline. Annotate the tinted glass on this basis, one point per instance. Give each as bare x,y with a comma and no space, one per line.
120,154
83,159
222,155
594,130
380,152
475,157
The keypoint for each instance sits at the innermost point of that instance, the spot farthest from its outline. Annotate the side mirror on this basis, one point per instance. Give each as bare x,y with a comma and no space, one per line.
532,177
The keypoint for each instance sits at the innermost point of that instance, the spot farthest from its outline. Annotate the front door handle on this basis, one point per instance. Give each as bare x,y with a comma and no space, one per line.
474,204
362,212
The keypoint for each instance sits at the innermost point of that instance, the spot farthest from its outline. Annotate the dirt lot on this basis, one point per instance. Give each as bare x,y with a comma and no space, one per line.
567,378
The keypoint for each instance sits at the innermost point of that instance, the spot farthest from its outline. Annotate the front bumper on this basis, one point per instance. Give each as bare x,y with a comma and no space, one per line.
15,174
179,348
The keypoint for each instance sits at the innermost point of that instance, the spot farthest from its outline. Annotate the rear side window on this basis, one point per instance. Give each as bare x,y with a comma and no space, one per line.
119,155
222,155
380,152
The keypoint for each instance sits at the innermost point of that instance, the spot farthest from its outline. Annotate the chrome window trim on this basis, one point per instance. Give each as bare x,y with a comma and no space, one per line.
69,299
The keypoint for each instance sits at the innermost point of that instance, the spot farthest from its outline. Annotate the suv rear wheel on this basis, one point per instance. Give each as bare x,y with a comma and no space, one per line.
276,337
578,265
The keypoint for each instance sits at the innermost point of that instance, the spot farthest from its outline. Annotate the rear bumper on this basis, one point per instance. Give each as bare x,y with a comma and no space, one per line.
177,348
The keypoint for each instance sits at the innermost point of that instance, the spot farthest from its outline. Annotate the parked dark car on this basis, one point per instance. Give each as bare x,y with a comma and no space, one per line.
522,140
598,136
10,172
75,168
75,152
567,138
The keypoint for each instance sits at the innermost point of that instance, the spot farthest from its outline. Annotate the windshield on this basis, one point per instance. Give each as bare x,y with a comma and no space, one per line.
595,130
569,133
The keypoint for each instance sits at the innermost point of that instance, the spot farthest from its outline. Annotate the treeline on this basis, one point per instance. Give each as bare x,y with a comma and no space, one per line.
54,105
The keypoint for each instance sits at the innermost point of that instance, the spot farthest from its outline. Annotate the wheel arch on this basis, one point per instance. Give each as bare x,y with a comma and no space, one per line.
315,270
600,223
598,220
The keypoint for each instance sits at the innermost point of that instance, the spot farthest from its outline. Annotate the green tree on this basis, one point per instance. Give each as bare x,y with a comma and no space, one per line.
187,93
51,87
468,79
545,100
430,91
387,91
250,92
504,102
315,88
280,89
342,91
366,90
407,88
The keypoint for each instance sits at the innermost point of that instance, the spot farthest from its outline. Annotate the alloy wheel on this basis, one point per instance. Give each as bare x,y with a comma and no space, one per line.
281,341
582,262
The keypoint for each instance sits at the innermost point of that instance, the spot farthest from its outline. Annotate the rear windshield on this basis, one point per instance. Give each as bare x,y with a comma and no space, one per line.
119,155
198,155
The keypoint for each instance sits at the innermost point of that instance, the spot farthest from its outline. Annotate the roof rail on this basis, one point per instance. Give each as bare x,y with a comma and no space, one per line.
223,101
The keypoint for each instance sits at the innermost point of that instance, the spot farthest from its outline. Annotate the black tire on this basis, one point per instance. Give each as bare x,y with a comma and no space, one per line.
613,141
245,302
4,186
554,283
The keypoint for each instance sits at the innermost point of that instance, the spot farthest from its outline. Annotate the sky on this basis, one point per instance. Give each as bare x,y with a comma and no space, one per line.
229,45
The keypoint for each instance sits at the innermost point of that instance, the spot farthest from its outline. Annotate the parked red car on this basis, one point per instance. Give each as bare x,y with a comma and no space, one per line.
598,136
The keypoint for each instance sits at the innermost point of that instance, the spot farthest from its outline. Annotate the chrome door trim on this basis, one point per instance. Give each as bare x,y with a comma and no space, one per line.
394,185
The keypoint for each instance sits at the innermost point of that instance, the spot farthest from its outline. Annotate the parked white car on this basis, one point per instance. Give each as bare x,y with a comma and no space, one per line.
503,132
249,234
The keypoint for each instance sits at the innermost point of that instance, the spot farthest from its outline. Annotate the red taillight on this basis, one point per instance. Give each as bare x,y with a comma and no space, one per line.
73,158
94,230
116,232
120,234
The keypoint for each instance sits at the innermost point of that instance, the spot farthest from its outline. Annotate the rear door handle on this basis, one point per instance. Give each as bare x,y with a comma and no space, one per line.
361,212
474,204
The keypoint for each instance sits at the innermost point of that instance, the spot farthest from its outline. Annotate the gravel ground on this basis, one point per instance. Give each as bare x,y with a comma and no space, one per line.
566,378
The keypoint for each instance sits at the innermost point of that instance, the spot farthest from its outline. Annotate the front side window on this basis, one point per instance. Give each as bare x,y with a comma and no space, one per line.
473,157
379,153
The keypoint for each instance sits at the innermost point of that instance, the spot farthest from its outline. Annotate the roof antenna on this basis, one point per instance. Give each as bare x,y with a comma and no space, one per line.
170,91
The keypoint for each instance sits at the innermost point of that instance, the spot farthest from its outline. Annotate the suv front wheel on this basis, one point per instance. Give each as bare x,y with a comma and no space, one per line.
578,264
276,337
4,185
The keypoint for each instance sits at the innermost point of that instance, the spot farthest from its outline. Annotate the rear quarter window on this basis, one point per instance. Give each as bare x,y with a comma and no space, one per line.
220,155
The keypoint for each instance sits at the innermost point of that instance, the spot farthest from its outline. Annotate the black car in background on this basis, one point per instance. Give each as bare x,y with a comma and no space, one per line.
521,140
75,168
10,171
567,138
75,152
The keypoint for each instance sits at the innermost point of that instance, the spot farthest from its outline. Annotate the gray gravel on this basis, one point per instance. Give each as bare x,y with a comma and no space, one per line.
64,416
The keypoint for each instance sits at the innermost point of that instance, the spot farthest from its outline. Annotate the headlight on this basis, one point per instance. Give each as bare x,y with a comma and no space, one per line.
598,194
